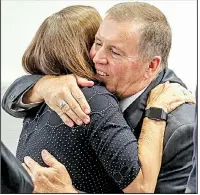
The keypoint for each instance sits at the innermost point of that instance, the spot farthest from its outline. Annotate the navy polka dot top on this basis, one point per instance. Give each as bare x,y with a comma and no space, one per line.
101,157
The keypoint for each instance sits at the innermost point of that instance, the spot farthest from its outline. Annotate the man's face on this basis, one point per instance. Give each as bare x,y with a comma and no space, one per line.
115,56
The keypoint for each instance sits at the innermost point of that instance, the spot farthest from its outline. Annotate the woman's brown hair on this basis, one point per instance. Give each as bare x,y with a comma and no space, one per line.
62,43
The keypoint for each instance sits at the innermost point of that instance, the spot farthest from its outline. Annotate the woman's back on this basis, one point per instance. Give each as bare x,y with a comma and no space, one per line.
101,157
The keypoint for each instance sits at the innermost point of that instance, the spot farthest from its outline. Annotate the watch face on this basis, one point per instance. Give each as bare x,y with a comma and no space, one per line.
156,113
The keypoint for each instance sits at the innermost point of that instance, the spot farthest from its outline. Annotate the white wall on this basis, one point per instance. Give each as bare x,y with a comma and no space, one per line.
21,19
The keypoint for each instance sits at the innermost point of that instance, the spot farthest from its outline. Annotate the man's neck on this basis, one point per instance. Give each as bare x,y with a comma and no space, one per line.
134,89
126,102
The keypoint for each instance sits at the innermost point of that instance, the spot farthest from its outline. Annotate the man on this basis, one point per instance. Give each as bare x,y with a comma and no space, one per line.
192,181
130,55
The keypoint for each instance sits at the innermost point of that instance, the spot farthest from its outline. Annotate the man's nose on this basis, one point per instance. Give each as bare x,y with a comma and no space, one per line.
100,57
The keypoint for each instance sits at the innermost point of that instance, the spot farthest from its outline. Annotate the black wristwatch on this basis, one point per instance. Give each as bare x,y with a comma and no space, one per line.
156,114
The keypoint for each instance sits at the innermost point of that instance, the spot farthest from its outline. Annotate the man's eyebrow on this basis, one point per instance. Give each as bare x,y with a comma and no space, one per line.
98,38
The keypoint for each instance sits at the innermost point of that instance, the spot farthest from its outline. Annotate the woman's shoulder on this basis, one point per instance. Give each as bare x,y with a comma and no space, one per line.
99,97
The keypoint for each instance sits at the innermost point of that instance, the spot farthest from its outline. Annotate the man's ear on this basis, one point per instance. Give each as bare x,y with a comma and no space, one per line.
154,67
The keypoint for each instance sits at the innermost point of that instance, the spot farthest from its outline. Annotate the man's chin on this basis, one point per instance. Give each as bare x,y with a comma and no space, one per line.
107,85
110,88
100,78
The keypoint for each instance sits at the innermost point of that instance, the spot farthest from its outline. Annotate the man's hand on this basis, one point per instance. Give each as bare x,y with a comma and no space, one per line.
56,89
54,179
169,96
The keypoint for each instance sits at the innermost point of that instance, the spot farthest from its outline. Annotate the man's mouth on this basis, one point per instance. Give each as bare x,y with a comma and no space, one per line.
101,73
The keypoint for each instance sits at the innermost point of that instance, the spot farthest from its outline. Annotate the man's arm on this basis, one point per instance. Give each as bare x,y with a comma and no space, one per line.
27,91
192,181
177,154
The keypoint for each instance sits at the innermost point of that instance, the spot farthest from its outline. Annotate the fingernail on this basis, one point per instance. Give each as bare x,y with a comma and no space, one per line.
87,111
79,122
70,124
27,159
44,152
87,120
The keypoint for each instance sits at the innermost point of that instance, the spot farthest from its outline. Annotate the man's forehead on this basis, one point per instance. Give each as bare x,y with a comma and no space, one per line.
110,30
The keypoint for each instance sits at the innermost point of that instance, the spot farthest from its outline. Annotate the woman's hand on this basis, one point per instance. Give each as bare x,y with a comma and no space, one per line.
169,96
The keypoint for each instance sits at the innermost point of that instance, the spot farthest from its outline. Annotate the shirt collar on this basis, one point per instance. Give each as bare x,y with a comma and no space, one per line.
123,104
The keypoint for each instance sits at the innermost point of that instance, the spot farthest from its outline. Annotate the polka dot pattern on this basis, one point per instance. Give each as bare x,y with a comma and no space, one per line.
101,157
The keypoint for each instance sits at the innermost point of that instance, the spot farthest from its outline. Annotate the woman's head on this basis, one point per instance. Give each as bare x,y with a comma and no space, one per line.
62,43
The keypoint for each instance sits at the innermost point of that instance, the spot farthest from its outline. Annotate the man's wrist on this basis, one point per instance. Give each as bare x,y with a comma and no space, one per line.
41,85
20,105
27,106
34,94
31,97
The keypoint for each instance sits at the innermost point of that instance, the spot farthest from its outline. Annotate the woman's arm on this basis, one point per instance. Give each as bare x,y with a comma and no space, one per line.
116,146
150,145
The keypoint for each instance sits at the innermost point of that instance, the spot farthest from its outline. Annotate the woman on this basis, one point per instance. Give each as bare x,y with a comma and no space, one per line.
101,157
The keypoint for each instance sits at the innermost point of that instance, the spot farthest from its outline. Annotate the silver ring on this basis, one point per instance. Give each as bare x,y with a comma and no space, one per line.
62,104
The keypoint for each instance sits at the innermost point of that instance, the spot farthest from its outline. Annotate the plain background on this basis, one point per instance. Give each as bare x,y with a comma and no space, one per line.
21,19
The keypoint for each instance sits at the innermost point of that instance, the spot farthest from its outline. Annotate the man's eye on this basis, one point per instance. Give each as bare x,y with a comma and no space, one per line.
115,53
97,44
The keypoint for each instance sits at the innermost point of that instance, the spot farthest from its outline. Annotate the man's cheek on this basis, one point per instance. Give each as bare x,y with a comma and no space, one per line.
92,52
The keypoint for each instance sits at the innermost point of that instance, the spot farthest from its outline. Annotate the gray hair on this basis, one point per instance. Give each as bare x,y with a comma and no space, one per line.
155,32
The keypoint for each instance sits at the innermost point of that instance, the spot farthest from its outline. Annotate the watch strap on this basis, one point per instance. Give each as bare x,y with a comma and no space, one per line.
156,113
